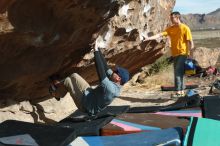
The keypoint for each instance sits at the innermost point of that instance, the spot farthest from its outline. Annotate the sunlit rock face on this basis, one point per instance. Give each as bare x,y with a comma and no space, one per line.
39,38
207,57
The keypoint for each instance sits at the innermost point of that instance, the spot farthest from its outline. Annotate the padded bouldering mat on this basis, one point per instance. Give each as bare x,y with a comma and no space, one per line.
211,107
91,125
137,122
172,88
43,135
195,112
171,137
181,103
202,132
108,111
21,140
91,128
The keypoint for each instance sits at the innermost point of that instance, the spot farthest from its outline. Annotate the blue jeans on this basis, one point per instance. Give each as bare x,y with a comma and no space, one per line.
179,72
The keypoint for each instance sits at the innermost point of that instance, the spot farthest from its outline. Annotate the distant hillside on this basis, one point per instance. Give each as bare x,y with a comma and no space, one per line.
203,21
216,12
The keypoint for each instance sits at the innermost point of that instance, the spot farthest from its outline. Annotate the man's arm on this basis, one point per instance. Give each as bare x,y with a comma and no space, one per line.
190,46
104,61
100,63
108,70
154,37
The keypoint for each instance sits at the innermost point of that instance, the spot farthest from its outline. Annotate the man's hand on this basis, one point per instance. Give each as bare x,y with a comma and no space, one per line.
143,36
96,46
190,54
154,37
147,39
56,82
100,43
190,46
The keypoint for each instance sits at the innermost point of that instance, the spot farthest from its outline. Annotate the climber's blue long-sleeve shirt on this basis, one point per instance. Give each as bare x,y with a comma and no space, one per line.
95,100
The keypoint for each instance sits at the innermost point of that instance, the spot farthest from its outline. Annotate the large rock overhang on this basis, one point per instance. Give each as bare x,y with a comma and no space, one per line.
40,38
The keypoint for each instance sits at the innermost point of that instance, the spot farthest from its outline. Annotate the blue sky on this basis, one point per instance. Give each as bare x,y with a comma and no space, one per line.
196,6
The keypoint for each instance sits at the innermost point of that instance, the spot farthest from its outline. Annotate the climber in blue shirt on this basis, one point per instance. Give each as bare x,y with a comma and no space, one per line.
93,100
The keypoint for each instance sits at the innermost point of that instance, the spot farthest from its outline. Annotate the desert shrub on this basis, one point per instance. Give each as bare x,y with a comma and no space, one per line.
161,64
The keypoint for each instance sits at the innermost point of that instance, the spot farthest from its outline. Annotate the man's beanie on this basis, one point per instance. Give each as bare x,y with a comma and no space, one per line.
123,73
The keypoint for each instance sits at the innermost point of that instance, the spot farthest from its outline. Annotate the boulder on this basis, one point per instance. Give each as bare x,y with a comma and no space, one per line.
56,37
207,57
42,38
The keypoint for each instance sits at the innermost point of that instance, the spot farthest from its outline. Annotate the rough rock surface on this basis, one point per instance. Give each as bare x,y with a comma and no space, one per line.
207,57
55,37
40,38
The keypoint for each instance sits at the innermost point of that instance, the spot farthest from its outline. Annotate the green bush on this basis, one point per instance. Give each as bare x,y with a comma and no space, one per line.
161,64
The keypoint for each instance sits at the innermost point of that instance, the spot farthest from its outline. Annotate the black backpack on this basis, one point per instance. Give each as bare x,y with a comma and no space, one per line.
215,87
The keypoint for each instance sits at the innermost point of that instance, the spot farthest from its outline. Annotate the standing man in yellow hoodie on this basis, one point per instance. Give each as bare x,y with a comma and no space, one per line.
181,47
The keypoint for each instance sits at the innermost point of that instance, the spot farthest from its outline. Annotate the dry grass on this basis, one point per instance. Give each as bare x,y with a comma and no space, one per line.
207,38
208,43
204,34
163,77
